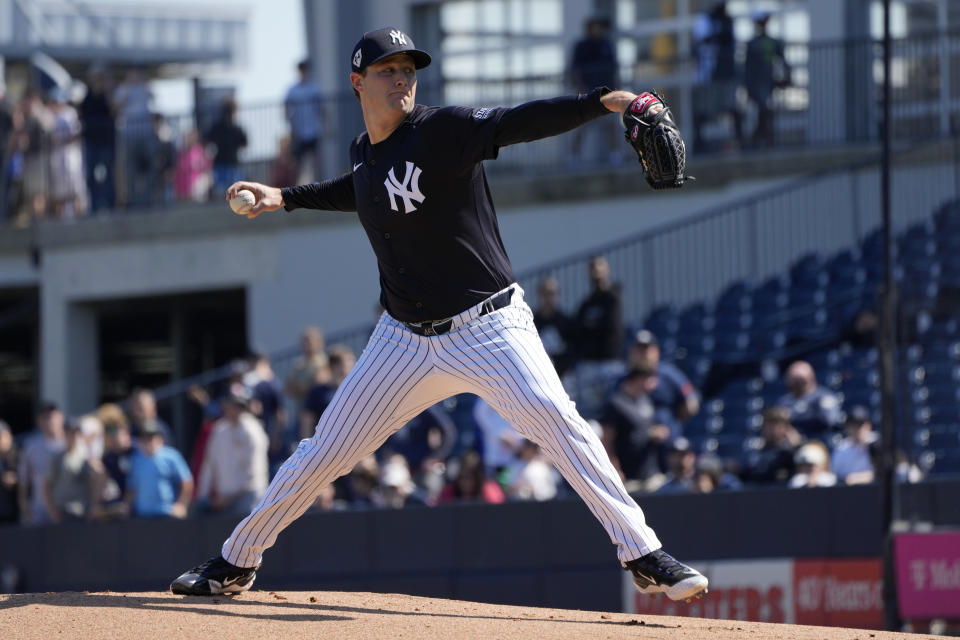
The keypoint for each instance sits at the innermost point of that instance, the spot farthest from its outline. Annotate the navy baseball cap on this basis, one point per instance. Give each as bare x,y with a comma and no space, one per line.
382,43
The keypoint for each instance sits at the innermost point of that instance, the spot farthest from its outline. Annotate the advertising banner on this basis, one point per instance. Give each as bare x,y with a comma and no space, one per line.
928,575
825,592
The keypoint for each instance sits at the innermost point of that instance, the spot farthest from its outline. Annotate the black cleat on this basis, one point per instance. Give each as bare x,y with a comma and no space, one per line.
214,577
659,572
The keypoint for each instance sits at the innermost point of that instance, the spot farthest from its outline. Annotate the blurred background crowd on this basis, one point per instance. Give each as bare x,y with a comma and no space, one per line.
97,143
121,460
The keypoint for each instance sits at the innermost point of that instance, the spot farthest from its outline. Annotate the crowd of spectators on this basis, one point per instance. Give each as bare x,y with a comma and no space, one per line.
119,461
101,146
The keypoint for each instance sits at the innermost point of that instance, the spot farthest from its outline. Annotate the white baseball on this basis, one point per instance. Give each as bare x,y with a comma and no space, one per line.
243,202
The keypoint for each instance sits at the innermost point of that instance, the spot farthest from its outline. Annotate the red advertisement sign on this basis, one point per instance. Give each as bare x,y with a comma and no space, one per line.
839,593
817,592
928,575
756,590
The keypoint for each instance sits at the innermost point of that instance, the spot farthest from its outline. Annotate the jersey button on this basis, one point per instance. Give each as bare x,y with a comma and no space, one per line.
401,270
376,198
386,236
373,162
419,305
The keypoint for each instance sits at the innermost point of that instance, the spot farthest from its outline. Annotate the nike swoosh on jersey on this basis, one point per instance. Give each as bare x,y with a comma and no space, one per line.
357,166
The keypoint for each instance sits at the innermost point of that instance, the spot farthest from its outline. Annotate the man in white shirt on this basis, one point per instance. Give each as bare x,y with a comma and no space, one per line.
234,474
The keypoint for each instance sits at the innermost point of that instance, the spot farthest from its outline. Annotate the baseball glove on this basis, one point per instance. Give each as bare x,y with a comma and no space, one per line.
657,141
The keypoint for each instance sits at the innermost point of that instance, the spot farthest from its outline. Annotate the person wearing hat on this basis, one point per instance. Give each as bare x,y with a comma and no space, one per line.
813,467
159,484
455,320
673,394
852,461
234,473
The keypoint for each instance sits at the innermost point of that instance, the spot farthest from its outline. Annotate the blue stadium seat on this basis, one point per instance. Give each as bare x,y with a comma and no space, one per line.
735,298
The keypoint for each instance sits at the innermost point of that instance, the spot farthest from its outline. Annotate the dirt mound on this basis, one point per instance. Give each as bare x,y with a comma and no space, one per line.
290,615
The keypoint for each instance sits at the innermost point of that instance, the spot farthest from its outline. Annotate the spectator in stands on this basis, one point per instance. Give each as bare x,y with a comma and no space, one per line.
164,154
117,455
397,489
594,64
9,459
765,69
159,484
72,487
634,437
100,144
6,154
38,451
496,439
340,361
363,481
304,109
673,394
131,101
599,338
532,477
716,91
556,329
327,500
283,169
309,369
267,404
709,476
234,474
36,143
471,483
773,462
142,408
814,410
67,175
812,467
682,464
229,138
431,434
600,317
192,178
852,461
12,207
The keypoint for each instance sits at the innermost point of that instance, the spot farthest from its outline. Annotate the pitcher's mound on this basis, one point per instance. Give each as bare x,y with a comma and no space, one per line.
291,615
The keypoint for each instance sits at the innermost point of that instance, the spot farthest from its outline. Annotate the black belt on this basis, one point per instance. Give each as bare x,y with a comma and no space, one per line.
438,327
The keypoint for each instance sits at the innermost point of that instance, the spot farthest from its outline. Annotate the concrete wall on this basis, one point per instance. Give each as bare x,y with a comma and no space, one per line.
551,554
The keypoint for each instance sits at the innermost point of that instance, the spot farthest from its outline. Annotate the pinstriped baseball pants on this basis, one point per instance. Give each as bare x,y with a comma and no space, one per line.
497,356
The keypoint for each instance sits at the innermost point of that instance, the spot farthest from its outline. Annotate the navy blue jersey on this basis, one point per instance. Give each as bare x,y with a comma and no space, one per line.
423,200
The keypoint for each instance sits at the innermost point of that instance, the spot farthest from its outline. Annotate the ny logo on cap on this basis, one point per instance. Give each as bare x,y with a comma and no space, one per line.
396,188
398,37
356,58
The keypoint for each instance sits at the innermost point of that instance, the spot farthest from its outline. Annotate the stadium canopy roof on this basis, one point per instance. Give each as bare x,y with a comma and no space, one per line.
80,33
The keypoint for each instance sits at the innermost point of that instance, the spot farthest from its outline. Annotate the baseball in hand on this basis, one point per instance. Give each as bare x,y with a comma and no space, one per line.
243,202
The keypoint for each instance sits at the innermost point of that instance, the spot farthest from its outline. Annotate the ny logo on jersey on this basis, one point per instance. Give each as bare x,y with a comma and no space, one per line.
397,188
398,37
